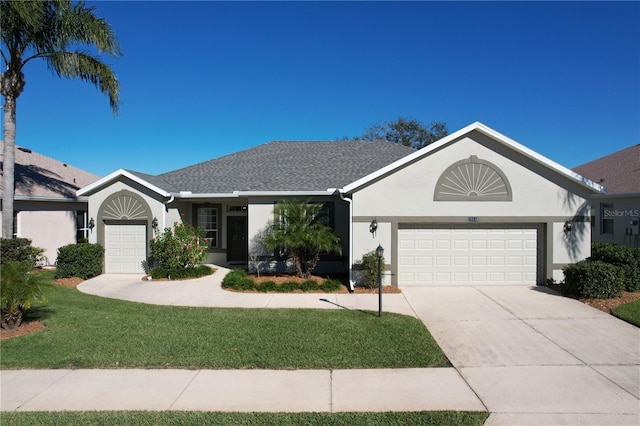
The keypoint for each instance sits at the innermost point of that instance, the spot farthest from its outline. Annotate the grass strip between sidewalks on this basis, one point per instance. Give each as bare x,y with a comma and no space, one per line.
159,418
84,331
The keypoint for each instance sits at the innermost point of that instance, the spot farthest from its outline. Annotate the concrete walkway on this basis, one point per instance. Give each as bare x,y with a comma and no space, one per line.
524,354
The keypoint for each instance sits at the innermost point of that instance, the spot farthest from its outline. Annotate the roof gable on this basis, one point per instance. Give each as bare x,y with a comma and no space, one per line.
453,137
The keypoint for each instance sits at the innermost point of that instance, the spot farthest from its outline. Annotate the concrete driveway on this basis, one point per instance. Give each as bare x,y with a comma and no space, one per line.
534,357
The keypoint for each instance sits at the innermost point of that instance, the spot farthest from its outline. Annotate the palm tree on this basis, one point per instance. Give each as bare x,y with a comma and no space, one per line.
58,32
300,231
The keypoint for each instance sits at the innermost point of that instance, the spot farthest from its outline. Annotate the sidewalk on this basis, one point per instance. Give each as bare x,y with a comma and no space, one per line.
237,390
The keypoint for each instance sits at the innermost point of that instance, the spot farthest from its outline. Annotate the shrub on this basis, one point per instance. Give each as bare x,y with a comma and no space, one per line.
309,285
20,250
289,286
181,273
330,285
79,260
267,286
19,288
627,258
593,280
369,268
238,280
181,247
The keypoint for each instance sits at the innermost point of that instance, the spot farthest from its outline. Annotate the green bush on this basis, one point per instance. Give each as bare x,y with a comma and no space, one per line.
589,279
80,260
238,280
330,285
181,273
627,258
20,250
267,286
19,288
309,285
369,268
289,286
178,248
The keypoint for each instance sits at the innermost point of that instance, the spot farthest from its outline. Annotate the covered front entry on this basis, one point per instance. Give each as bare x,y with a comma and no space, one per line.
125,247
467,255
237,249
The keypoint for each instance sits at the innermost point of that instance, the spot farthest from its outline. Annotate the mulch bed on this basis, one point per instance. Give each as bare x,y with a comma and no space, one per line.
279,279
605,305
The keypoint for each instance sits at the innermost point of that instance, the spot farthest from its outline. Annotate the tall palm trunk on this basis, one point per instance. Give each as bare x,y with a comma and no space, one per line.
8,165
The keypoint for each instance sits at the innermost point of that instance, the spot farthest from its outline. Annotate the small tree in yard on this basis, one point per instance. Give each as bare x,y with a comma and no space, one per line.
178,248
300,232
19,288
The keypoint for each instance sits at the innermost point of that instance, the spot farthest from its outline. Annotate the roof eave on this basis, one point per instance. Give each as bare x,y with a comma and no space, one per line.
89,189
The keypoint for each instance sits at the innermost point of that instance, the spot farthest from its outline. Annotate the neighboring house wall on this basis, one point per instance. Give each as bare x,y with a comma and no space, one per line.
616,219
49,225
540,200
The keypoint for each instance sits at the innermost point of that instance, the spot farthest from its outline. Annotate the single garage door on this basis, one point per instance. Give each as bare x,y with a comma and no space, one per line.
126,248
467,256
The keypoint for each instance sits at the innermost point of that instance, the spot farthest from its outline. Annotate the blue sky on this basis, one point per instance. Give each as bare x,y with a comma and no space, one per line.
203,79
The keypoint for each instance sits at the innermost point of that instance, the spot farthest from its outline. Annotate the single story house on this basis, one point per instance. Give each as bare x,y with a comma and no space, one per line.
473,208
46,207
616,213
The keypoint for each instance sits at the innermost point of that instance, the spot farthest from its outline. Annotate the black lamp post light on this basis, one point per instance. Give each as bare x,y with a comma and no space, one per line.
380,253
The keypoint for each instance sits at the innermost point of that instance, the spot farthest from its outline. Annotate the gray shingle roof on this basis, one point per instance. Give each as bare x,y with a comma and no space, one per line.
618,172
284,166
39,176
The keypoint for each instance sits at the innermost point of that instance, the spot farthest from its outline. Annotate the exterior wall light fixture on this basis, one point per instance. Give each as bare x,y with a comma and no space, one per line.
154,223
92,223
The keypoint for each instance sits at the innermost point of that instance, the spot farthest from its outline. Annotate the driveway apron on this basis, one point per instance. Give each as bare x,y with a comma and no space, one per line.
534,357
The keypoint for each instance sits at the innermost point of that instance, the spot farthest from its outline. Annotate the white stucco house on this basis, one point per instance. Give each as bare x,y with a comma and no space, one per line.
46,207
473,208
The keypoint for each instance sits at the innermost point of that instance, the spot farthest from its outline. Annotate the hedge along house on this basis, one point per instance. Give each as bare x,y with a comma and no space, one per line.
473,208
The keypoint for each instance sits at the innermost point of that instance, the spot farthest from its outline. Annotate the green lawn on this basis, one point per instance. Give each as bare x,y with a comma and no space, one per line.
84,331
629,312
451,418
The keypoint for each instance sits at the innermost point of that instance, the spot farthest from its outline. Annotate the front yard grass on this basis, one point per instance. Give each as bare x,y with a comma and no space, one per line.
160,418
629,312
84,331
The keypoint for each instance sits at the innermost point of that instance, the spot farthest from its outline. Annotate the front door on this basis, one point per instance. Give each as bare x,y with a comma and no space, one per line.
237,248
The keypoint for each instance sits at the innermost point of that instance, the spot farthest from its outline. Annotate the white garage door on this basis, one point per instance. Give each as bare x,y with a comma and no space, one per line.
126,248
467,256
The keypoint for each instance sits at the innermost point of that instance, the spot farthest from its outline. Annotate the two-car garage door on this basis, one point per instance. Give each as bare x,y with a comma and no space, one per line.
467,255
126,248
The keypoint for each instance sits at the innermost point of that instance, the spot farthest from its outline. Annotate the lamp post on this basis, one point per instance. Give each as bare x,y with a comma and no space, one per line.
380,253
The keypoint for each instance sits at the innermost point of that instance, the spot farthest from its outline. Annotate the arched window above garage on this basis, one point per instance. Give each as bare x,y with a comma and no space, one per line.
473,179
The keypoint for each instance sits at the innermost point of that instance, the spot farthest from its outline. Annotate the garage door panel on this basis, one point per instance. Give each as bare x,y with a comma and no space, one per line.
465,255
126,248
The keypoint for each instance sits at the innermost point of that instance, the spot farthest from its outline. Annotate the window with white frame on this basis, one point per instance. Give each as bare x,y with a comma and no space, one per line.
82,225
207,219
606,227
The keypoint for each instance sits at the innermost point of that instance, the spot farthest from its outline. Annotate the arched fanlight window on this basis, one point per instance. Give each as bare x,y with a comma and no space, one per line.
473,180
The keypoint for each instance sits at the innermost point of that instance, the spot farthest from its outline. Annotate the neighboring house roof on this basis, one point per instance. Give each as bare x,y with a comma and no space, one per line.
619,172
307,168
38,177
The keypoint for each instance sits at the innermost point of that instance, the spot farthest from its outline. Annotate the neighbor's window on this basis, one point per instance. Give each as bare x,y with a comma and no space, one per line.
606,227
82,225
207,219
